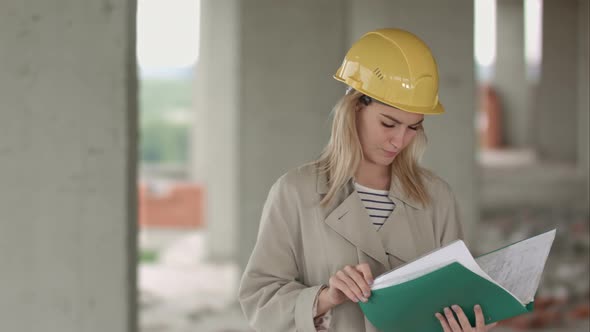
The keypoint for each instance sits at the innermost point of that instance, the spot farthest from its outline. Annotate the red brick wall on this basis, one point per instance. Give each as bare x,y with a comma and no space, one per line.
182,206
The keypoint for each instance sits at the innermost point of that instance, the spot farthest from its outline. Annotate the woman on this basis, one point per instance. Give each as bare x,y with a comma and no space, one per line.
365,207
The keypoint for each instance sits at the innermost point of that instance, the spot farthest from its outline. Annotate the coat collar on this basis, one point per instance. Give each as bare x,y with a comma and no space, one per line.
348,217
395,190
351,221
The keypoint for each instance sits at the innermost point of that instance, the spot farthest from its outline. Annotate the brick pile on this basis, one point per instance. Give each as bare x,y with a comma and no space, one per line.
178,205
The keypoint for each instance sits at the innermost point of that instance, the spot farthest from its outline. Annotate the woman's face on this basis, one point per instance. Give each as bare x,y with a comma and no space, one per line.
384,131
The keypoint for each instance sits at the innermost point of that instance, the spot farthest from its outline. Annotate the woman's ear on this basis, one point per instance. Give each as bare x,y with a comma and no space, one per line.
365,100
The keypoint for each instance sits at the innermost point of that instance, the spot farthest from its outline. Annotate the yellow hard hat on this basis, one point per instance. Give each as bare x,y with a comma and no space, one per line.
394,67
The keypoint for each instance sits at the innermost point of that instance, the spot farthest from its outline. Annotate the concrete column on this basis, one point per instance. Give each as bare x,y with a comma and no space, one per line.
555,103
447,27
510,73
583,88
289,52
265,98
218,81
67,166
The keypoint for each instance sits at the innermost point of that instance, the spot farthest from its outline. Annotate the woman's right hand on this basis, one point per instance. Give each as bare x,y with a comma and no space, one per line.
352,283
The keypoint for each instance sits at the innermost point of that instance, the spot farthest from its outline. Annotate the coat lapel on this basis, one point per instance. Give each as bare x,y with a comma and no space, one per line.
351,221
347,217
398,234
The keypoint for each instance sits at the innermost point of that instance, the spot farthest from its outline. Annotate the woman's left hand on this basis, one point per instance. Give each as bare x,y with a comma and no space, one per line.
450,324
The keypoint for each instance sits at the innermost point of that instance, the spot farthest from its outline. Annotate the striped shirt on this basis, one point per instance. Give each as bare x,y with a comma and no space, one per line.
377,202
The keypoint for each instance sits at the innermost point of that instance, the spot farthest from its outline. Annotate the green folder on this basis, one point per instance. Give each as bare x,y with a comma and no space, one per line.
410,306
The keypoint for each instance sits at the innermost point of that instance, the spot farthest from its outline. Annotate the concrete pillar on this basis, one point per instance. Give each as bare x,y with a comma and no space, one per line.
218,81
67,166
510,73
290,50
555,103
447,27
583,87
266,96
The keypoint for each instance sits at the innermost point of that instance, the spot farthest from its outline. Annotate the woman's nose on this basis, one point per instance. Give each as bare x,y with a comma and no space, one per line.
397,137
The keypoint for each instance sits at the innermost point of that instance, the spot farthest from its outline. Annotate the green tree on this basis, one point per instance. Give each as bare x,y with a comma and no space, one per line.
163,141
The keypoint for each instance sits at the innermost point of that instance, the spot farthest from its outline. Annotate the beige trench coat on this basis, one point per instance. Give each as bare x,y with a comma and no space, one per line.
301,245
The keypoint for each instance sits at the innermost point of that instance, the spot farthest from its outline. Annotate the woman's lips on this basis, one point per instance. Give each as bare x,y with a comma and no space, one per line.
390,153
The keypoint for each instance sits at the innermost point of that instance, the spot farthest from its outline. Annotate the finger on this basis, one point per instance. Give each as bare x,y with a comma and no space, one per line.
452,321
342,287
463,320
443,322
352,286
479,319
365,269
359,280
491,326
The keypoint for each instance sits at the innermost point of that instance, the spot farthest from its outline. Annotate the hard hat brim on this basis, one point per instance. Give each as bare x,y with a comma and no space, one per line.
438,109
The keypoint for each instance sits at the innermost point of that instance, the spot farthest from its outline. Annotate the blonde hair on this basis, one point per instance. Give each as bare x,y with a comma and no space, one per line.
342,155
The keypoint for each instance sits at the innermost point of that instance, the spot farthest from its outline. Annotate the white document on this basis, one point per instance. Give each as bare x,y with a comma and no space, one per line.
453,252
518,267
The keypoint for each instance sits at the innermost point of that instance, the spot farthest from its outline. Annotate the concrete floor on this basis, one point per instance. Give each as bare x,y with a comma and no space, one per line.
180,291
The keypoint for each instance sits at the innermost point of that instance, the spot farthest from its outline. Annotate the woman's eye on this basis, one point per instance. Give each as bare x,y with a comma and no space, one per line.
387,125
414,128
